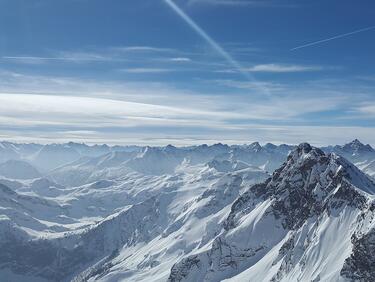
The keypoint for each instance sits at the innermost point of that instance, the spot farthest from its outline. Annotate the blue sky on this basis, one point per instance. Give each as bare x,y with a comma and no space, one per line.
187,72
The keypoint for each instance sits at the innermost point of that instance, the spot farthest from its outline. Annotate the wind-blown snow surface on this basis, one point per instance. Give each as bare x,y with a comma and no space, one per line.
203,213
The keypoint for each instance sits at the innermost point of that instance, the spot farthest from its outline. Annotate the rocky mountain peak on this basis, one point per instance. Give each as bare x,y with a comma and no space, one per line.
304,157
311,181
357,146
255,146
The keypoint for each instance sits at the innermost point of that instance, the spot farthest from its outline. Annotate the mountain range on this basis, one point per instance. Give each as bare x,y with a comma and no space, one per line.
74,212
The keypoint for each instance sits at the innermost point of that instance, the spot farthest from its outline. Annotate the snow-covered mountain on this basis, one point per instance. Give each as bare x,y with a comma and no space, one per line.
15,151
50,156
168,160
201,213
363,156
296,226
8,151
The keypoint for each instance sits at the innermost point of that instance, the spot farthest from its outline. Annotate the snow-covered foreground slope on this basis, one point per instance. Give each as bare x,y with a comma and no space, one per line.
204,213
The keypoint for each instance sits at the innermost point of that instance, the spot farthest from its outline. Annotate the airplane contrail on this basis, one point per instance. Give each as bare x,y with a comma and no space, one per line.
332,38
213,43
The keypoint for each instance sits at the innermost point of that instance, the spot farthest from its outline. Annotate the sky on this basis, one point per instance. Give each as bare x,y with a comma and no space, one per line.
183,72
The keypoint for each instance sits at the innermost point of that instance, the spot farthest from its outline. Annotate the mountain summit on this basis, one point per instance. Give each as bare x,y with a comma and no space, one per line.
363,156
356,147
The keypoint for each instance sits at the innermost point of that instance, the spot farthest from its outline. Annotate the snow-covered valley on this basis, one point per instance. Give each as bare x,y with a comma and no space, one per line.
73,212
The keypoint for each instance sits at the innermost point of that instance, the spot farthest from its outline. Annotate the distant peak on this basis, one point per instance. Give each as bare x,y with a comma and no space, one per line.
219,145
356,142
357,145
169,148
270,146
256,146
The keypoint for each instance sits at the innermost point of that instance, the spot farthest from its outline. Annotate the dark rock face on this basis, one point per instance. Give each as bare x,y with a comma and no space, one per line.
181,270
56,263
360,266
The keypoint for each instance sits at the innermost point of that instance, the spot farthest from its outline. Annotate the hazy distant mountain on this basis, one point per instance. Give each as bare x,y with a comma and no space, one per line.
8,152
354,151
168,160
17,169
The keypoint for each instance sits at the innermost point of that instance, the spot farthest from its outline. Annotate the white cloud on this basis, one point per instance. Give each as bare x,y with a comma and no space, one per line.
276,68
367,109
184,110
74,57
282,68
250,133
251,85
112,54
146,70
180,59
143,49
154,113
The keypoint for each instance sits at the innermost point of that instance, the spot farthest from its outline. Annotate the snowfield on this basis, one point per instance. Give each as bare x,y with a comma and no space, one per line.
73,212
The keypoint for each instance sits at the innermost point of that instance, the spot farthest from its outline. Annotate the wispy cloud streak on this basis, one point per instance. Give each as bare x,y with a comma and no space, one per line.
70,57
211,42
277,68
333,38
